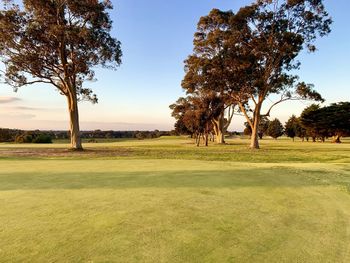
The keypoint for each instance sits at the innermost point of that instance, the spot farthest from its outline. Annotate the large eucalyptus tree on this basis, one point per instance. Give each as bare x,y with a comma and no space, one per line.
58,42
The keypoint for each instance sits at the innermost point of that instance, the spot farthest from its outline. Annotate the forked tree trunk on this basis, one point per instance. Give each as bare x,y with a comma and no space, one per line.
220,128
74,123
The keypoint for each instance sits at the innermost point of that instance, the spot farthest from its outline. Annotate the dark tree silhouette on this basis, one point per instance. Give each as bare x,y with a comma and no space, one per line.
275,129
333,120
292,126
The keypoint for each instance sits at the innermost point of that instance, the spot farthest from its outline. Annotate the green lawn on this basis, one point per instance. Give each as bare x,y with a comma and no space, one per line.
166,200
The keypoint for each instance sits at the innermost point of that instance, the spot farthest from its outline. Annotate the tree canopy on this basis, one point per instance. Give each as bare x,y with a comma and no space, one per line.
328,121
275,129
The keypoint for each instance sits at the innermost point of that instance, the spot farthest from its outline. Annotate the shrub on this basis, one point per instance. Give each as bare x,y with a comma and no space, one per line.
24,138
42,138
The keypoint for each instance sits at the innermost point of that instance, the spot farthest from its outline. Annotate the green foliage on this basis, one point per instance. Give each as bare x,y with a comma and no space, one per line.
33,137
293,127
195,113
24,138
57,42
333,120
42,138
8,135
275,129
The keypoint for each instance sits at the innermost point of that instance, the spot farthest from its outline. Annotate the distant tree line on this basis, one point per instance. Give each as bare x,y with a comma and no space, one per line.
320,123
315,123
19,136
98,134
37,136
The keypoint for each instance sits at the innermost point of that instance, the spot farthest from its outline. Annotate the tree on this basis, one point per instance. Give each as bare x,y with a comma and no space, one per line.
262,129
8,135
181,110
194,112
275,129
300,131
58,42
337,117
247,130
263,126
308,120
292,126
332,120
266,38
206,69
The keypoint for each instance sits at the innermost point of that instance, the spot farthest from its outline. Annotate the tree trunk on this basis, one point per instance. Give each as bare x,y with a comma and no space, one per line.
336,139
215,128
74,123
206,135
254,141
220,139
220,129
211,136
198,139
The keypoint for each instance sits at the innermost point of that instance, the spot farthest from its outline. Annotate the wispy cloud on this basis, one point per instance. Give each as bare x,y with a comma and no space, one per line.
4,99
26,108
16,116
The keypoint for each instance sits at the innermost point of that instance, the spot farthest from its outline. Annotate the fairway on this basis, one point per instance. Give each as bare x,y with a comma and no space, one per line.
165,200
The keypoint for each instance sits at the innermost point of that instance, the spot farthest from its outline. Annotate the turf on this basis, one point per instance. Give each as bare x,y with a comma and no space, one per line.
167,201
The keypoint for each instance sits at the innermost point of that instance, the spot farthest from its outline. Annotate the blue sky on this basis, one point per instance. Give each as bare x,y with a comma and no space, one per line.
156,37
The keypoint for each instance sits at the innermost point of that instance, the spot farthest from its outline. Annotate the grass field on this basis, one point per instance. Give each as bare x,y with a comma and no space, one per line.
165,200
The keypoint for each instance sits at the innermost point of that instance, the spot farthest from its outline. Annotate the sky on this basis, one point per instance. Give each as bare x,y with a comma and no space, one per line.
156,38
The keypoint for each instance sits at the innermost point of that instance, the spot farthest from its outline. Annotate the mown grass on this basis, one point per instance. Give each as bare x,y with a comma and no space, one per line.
272,151
167,201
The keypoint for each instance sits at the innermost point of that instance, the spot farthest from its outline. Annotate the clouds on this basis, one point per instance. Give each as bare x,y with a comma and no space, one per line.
6,99
26,108
16,116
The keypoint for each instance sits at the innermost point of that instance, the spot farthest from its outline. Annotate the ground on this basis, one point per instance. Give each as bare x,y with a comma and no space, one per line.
165,200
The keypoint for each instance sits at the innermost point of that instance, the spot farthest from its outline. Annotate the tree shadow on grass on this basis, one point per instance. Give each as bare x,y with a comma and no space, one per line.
271,178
